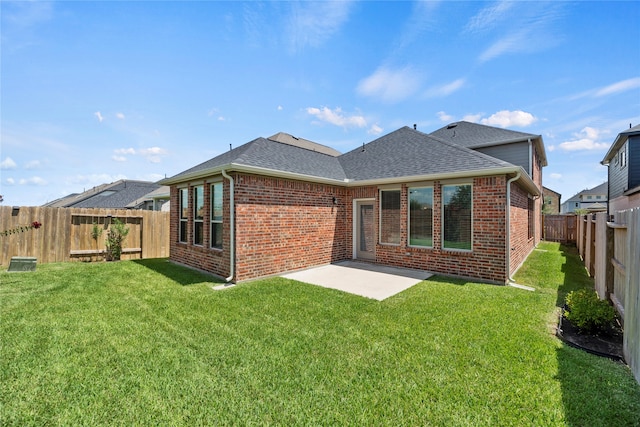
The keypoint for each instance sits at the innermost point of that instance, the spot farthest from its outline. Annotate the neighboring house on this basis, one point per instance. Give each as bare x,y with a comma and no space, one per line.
157,200
592,200
123,194
406,199
623,161
551,201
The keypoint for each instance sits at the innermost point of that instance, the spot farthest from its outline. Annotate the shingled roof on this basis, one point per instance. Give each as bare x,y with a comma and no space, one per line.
474,135
404,153
119,194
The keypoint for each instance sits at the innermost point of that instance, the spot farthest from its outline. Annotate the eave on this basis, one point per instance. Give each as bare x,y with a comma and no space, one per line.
525,181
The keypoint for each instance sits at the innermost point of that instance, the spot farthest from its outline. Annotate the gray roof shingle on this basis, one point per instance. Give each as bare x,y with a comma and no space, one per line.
405,152
467,134
408,152
274,155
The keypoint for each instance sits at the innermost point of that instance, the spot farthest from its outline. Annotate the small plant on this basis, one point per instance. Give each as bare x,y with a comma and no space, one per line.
96,232
588,312
21,229
115,238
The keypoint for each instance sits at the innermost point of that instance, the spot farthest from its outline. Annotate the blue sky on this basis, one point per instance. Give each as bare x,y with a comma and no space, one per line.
93,92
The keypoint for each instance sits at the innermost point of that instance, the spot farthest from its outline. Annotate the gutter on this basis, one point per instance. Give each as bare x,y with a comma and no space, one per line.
527,182
232,227
508,242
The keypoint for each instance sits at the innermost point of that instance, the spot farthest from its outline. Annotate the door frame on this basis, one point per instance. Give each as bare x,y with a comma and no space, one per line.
355,221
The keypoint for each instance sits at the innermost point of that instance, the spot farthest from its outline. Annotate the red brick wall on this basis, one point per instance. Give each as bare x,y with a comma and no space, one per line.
486,260
203,257
521,245
284,225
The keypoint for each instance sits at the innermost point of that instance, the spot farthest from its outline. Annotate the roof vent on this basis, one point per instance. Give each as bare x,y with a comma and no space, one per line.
415,126
451,125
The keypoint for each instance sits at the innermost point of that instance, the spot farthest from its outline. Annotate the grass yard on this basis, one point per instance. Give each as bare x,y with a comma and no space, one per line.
150,343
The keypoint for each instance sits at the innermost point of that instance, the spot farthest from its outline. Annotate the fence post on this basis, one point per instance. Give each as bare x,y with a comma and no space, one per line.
609,276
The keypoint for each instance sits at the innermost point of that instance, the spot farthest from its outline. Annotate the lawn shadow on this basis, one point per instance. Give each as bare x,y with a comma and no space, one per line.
574,272
590,395
181,274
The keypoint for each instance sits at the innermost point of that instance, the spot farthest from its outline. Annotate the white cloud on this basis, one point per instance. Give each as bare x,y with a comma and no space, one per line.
119,158
10,181
34,180
507,118
336,117
279,108
473,118
98,116
125,151
120,116
33,164
586,139
488,17
444,117
446,89
390,85
555,175
221,119
313,23
153,154
551,148
7,164
375,130
621,86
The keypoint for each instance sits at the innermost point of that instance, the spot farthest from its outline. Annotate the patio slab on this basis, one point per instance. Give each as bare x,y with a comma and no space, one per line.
368,280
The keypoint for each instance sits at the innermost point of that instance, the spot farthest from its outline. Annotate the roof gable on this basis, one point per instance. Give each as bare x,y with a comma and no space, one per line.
408,152
470,135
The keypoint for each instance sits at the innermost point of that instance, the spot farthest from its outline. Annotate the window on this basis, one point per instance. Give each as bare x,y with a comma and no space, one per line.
456,206
589,197
184,214
390,216
216,215
623,157
198,215
421,216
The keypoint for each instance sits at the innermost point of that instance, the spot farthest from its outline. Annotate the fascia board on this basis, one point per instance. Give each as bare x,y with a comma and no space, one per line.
249,169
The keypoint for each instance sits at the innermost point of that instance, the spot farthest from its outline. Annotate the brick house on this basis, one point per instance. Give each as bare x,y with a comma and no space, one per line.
406,199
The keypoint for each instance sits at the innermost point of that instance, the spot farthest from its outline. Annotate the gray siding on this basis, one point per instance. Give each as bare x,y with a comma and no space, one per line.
618,175
634,161
516,153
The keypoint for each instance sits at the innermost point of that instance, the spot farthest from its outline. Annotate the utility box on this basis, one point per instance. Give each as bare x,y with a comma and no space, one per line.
22,263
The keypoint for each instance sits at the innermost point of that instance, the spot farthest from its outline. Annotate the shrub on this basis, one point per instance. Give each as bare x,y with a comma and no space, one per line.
588,312
115,237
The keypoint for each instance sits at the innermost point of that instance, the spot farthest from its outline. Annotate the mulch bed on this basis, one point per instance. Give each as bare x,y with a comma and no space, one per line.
607,344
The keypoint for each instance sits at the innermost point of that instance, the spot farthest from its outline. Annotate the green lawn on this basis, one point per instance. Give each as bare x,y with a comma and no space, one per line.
150,343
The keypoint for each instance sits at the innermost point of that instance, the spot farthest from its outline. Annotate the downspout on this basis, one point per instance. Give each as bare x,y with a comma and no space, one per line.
508,243
232,228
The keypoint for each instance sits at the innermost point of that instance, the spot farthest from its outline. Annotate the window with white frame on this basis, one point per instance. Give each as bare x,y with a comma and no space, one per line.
216,215
390,216
183,200
456,216
421,216
198,215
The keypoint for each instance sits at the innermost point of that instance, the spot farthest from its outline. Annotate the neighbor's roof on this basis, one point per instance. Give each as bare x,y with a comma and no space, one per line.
474,135
119,194
404,153
599,190
619,141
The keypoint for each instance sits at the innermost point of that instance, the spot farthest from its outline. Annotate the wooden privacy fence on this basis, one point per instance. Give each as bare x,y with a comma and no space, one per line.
66,233
611,254
560,228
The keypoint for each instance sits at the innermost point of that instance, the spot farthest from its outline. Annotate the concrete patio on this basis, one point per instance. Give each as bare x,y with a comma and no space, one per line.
368,280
